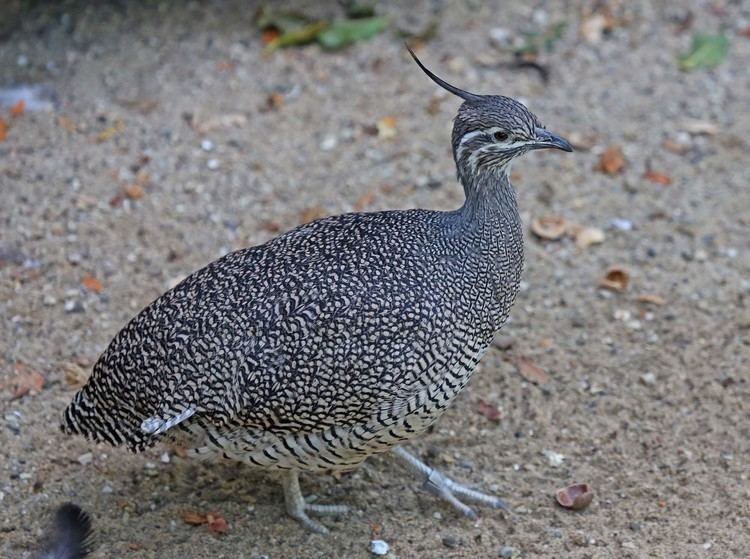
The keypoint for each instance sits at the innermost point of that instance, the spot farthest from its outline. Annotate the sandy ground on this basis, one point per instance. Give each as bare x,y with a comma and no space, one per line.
650,404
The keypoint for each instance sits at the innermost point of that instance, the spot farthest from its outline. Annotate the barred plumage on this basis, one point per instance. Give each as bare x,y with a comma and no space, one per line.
337,340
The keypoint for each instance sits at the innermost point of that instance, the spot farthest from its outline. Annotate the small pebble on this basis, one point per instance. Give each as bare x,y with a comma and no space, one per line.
213,164
555,459
378,547
86,459
328,144
107,488
207,145
503,342
72,305
49,300
621,224
506,552
25,475
165,458
451,542
149,466
649,379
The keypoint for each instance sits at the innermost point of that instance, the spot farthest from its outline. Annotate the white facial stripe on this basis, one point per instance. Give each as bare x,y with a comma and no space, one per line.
486,131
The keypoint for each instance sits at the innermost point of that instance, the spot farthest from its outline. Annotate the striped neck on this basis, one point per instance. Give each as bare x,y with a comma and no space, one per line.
490,198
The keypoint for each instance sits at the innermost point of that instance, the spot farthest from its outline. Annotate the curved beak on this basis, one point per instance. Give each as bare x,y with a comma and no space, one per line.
546,139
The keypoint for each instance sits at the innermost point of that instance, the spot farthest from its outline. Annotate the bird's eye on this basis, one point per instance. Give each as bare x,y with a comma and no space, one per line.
500,136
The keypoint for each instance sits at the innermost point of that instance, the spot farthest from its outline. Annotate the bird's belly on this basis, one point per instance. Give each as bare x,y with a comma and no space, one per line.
343,447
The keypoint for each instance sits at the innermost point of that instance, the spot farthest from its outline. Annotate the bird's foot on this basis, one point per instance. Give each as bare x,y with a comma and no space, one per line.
298,508
447,489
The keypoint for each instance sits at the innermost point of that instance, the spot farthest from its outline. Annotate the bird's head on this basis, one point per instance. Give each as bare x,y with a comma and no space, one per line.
490,131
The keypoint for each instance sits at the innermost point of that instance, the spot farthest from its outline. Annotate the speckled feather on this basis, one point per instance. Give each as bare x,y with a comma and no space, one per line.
334,341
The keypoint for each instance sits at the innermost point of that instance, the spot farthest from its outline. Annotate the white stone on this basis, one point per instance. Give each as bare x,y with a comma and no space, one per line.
378,547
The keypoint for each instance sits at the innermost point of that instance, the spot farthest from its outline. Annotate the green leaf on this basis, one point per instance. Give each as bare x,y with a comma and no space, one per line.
299,36
345,32
356,10
706,51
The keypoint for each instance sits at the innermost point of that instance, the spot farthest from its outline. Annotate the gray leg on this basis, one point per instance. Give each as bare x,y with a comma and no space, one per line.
297,507
447,489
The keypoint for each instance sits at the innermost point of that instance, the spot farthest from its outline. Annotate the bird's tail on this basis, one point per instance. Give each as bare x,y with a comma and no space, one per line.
70,537
101,421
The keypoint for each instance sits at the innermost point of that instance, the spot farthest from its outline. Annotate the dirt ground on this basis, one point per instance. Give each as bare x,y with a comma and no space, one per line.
649,403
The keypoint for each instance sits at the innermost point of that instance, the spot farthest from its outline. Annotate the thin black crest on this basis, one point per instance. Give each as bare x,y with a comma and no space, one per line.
465,95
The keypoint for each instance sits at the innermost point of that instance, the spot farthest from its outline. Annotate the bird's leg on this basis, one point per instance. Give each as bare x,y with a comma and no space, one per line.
297,507
447,489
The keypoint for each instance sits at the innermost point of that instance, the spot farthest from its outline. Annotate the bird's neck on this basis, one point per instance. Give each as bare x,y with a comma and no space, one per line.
490,201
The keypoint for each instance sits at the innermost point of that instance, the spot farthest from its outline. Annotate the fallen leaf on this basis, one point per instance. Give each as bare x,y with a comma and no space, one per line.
529,371
26,380
217,525
135,546
92,284
271,226
75,375
375,530
587,236
490,411
673,146
275,100
364,201
611,161
295,37
18,108
67,124
615,279
706,51
386,127
744,32
193,518
311,214
699,127
269,35
657,178
550,227
661,503
345,32
3,130
651,299
575,497
117,127
133,191
232,120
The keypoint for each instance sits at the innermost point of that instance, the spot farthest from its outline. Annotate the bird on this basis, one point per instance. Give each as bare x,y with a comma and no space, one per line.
70,537
337,340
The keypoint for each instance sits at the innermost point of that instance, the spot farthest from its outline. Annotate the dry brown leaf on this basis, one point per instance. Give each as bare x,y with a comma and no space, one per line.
611,161
433,107
18,108
232,120
67,123
575,497
133,191
311,214
135,546
193,518
92,284
657,177
26,380
675,147
615,279
587,236
364,201
75,375
386,127
217,525
529,371
275,100
270,225
490,411
550,227
651,299
3,130
269,35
